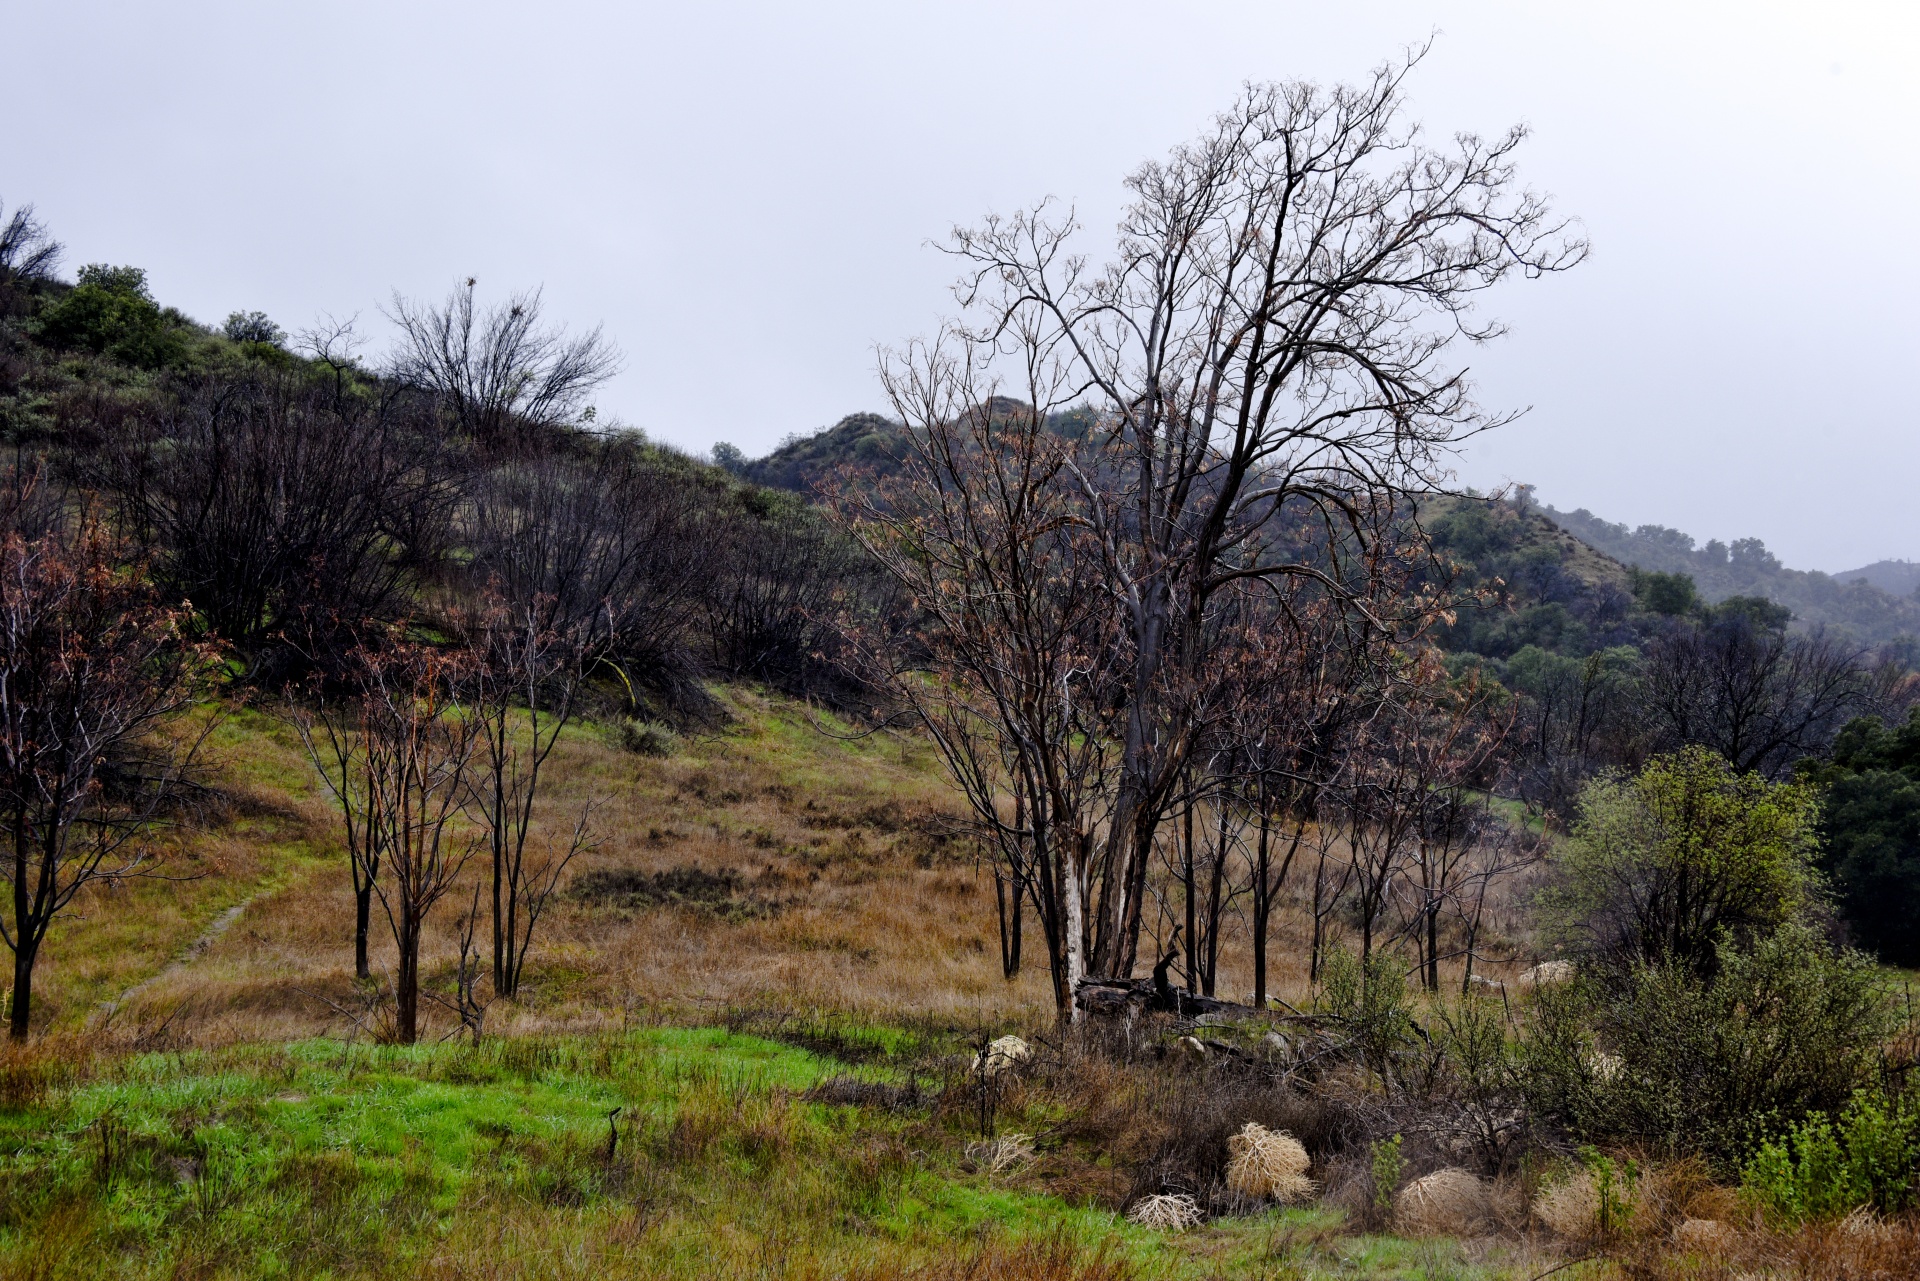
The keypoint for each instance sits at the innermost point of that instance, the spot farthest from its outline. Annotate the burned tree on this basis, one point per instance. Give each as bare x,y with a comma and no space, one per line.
1267,350
522,687
397,760
498,372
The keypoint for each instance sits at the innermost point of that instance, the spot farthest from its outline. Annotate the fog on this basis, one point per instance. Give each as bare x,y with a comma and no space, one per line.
748,196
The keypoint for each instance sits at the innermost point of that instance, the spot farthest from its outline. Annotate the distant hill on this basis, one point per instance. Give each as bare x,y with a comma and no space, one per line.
1872,612
1900,577
1569,575
857,439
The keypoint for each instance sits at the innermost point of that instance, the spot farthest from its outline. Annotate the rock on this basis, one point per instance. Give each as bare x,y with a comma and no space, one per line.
1003,1055
1545,974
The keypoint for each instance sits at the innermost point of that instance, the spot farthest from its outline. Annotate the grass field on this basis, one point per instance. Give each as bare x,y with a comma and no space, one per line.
656,1152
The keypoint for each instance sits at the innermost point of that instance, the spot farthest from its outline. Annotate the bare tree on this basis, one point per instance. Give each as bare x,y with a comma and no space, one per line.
1266,352
1745,686
397,764
28,255
497,370
91,665
1009,646
522,684
331,732
419,745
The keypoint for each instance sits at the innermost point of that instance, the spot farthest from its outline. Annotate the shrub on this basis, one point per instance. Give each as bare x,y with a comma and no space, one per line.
1820,1170
1385,1165
1659,866
1369,1000
647,738
110,311
1685,1063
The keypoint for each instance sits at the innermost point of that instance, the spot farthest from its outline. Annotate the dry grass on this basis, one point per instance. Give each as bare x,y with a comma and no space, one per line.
1450,1202
1268,1166
871,907
836,846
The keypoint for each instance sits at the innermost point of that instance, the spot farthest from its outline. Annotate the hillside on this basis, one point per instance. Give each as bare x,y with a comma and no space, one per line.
1543,556
1866,605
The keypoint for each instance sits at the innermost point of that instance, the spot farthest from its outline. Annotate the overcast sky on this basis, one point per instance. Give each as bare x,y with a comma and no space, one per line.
745,195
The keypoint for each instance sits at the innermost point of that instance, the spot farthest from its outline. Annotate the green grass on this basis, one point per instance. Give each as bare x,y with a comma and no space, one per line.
320,1159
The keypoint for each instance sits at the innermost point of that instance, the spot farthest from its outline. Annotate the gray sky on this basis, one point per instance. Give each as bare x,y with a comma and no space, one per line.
744,195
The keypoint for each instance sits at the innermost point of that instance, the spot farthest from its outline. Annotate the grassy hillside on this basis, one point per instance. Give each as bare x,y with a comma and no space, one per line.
812,868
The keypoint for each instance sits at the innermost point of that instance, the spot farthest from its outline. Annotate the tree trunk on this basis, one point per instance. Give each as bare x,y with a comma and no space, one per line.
1009,920
406,992
21,1016
1262,907
1217,875
1433,947
1192,895
502,932
362,919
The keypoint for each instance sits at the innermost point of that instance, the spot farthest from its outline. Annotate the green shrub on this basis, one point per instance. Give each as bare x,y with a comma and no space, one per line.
1369,998
1385,1165
1820,1170
1659,866
647,738
111,312
1664,1057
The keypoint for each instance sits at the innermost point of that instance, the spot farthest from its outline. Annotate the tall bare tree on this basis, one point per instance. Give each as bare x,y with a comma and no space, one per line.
1267,350
522,683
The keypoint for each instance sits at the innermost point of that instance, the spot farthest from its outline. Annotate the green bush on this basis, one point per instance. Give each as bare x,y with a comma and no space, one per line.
1663,1056
1659,866
1369,999
111,312
1820,1170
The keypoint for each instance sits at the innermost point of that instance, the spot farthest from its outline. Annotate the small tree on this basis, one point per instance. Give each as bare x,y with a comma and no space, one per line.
397,764
91,663
1658,866
523,683
419,746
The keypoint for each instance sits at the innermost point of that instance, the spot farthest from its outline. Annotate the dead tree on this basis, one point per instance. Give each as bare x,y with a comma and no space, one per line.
497,371
92,663
1010,650
28,255
1267,350
331,732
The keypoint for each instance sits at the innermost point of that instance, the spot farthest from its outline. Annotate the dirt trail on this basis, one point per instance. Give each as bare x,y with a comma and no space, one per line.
208,937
